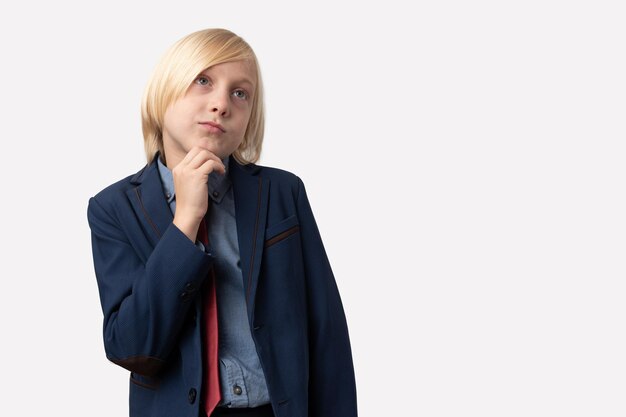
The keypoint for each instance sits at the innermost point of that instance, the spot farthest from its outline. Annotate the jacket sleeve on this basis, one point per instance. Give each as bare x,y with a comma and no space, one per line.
332,385
144,302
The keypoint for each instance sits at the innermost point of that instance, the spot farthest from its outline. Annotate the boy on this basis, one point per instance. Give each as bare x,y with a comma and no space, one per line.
216,289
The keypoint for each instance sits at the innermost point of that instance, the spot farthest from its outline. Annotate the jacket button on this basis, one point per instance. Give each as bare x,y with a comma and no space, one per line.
190,286
237,390
192,396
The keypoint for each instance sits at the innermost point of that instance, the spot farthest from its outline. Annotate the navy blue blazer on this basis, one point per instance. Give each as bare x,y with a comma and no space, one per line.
150,276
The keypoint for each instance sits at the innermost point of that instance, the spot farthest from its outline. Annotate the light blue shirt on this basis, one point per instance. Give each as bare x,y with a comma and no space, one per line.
241,375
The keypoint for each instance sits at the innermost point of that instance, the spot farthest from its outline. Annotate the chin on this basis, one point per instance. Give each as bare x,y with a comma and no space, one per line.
208,146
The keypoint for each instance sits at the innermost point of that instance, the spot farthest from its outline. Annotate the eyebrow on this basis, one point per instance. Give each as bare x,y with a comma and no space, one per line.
237,81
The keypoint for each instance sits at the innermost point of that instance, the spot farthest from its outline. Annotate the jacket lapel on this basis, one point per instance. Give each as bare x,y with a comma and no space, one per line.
251,195
149,202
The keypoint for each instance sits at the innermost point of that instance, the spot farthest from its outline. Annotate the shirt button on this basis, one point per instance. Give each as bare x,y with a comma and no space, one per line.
237,390
168,195
215,194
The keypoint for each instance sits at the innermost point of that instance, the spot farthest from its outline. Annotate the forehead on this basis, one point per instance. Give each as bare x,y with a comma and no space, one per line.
236,72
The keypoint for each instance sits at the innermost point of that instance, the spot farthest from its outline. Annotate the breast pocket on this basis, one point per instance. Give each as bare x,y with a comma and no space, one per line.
281,230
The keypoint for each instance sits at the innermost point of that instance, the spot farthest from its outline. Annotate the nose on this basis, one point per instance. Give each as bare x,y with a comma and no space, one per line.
219,103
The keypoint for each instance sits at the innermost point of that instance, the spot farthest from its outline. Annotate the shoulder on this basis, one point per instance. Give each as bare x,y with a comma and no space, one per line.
278,177
117,188
278,174
113,197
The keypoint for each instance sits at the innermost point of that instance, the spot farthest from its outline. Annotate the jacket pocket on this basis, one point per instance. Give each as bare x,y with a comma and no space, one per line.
281,230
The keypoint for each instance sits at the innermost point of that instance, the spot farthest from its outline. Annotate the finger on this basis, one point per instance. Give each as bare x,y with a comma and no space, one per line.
191,155
213,165
202,156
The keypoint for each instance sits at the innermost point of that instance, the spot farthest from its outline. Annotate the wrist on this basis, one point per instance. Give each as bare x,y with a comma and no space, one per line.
188,225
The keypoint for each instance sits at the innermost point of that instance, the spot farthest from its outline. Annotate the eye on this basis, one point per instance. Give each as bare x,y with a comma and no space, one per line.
203,78
243,92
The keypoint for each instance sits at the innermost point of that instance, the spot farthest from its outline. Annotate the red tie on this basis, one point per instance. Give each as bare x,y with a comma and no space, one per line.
211,388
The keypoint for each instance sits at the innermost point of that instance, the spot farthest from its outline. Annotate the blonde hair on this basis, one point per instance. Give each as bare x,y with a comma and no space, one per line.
173,75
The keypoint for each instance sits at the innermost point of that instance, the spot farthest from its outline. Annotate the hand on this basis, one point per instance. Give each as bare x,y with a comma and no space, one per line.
191,176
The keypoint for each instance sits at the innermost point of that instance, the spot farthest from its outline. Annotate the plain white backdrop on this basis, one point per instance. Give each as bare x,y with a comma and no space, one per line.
464,161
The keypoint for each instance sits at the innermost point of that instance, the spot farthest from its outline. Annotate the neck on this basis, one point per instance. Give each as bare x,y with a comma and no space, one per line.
172,155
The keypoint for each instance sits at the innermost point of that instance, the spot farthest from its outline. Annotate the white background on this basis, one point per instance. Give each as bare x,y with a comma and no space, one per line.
464,161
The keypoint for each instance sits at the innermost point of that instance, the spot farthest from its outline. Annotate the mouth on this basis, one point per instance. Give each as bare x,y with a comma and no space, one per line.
213,126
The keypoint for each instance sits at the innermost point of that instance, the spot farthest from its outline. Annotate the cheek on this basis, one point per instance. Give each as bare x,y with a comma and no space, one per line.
169,117
174,119
245,118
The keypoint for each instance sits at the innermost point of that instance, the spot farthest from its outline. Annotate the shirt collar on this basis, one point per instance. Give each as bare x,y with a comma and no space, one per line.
218,183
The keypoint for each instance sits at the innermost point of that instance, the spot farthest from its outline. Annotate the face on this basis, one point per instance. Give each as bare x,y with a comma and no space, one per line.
221,94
